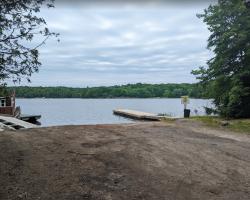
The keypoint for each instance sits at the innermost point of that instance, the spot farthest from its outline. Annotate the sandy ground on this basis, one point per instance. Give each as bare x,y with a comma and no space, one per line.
176,161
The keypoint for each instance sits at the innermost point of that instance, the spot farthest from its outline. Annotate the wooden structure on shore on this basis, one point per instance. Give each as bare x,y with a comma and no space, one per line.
29,118
7,105
137,115
8,109
13,123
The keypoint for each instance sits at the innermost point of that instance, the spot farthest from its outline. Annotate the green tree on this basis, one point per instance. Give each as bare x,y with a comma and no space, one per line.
130,90
227,76
3,90
19,24
167,93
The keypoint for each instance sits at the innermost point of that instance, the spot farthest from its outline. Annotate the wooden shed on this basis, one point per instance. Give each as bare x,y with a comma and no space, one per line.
7,105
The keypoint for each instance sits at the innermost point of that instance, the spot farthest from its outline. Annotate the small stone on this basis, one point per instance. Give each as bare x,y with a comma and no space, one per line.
224,123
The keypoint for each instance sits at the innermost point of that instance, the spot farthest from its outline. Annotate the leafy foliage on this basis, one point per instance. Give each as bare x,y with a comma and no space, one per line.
227,78
131,91
3,90
19,24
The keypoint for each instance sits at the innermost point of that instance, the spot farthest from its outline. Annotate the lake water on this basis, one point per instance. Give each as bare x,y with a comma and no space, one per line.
100,111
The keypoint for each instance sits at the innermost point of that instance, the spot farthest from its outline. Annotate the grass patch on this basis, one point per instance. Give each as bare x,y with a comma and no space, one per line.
240,125
237,125
168,119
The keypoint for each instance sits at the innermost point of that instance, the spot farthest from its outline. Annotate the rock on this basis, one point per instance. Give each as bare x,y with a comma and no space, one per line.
224,123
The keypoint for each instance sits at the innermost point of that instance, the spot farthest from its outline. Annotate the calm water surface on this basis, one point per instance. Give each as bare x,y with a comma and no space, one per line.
100,111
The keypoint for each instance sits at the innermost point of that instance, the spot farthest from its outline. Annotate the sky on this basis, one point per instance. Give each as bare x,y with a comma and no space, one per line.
115,44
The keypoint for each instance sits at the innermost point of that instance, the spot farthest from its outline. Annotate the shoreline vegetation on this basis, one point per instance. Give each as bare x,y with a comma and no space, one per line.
235,125
138,90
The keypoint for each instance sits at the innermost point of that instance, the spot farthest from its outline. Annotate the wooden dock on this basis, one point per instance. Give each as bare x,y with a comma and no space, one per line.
137,114
14,123
29,118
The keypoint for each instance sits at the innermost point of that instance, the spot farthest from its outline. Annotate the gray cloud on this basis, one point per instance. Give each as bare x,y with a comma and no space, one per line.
132,2
106,45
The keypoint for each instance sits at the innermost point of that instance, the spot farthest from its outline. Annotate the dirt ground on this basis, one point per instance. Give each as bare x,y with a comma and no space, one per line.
181,160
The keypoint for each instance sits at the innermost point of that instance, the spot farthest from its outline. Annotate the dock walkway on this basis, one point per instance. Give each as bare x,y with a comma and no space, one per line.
137,114
14,123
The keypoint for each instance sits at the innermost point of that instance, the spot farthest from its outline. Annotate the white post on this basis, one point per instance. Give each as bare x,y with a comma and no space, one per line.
185,101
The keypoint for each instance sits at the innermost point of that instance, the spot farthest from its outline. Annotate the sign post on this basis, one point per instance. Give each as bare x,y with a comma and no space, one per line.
185,101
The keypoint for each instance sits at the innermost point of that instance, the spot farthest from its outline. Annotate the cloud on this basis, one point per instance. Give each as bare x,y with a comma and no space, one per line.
106,46
129,3
104,23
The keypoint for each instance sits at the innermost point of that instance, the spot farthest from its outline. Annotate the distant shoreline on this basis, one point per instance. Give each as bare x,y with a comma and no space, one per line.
138,90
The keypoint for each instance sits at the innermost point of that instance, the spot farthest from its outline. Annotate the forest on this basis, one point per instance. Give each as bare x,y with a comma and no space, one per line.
138,90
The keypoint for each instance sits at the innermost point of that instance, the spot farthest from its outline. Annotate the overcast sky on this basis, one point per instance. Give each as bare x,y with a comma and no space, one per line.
120,44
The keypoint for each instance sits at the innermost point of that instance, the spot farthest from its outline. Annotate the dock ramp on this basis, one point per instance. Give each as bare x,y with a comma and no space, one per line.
14,123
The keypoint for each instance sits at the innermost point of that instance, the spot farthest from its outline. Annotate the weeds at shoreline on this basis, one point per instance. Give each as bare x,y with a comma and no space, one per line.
237,125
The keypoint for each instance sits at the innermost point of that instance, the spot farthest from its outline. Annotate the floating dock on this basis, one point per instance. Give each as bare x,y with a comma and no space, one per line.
29,118
13,123
137,114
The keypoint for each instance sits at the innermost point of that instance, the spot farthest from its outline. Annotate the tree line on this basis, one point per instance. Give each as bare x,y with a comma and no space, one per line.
138,90
227,75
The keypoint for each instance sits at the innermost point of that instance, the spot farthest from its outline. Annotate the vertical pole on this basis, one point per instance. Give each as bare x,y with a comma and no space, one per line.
13,102
185,105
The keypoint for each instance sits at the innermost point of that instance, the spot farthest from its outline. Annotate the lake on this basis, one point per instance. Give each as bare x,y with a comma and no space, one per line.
100,111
